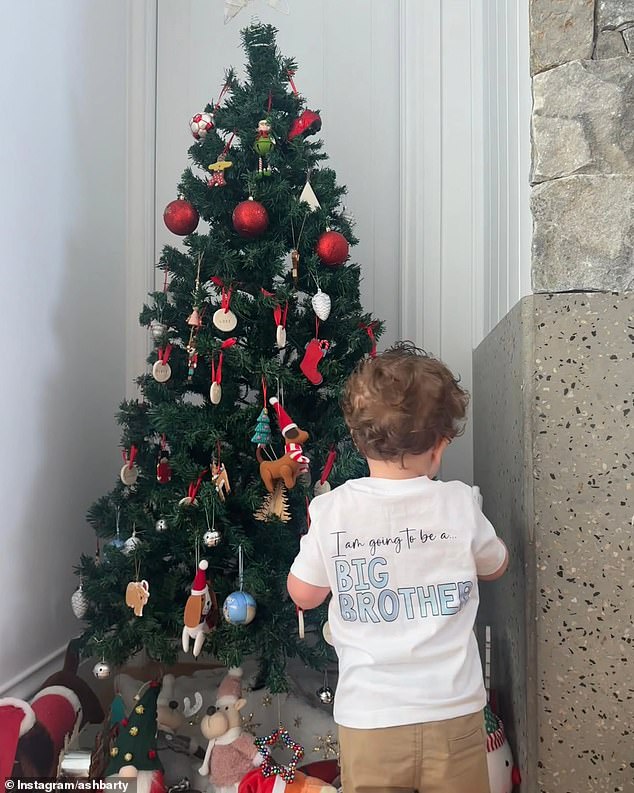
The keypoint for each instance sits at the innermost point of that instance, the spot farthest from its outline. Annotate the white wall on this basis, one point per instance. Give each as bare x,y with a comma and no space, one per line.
348,58
507,223
465,163
63,243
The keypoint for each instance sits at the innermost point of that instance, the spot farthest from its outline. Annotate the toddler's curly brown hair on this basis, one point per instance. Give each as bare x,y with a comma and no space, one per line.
401,402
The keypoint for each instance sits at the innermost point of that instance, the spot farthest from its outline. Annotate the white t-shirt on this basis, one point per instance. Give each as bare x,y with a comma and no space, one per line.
402,558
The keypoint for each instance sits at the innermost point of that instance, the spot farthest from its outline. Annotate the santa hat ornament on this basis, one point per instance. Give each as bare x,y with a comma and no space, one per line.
230,690
285,421
307,123
199,587
16,719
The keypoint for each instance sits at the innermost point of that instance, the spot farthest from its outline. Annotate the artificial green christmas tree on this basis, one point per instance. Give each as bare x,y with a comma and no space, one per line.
261,304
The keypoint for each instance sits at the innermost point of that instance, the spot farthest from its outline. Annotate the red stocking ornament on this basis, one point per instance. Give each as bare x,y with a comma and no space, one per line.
314,355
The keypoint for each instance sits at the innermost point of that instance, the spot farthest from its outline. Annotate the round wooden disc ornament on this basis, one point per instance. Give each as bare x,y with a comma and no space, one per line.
280,336
325,632
321,487
188,501
225,320
161,372
129,475
215,393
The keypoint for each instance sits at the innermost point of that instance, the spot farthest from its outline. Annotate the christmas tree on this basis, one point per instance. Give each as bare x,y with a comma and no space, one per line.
265,304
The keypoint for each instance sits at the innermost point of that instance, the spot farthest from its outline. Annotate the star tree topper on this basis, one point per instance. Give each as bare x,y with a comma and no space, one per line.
233,7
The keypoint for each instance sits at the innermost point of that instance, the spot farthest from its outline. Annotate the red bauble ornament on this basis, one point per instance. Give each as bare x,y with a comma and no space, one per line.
250,219
307,123
332,248
181,217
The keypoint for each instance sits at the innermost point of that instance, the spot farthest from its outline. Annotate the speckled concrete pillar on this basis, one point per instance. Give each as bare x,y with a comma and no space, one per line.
554,457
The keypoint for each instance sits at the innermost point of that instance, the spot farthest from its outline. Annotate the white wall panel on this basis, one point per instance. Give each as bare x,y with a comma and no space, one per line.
63,70
348,58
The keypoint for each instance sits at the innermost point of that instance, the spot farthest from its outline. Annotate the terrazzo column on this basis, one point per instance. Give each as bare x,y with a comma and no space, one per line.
555,462
552,403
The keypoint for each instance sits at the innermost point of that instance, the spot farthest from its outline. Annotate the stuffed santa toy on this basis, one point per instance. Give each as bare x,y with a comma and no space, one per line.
256,782
32,735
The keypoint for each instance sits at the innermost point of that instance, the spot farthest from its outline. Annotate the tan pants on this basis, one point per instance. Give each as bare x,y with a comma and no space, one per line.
436,757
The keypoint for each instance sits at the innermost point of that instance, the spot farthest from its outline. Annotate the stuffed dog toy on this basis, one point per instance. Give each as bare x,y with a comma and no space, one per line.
294,462
201,611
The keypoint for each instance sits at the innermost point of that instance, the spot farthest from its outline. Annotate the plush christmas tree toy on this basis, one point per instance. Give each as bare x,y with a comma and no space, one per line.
134,752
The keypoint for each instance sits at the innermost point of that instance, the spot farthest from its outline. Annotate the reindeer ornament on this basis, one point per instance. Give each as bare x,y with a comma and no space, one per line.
201,611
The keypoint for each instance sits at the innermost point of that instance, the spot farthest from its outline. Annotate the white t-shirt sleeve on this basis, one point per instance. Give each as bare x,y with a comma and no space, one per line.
489,551
309,563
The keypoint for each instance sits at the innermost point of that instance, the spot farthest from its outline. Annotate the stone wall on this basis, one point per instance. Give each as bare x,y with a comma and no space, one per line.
552,401
582,62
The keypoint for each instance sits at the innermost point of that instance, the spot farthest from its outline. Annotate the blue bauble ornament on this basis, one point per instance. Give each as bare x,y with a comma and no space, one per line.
239,608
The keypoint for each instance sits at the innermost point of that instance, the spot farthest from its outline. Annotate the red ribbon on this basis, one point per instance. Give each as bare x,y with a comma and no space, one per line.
264,391
228,144
224,90
268,109
225,300
130,460
163,442
216,374
316,327
194,487
330,461
290,80
164,355
280,316
266,293
369,329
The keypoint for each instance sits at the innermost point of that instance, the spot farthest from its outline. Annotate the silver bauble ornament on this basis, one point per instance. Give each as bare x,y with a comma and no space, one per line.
321,305
101,670
212,538
326,695
79,603
158,329
161,524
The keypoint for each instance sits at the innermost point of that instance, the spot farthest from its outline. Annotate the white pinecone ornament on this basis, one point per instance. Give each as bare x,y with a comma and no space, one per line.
79,603
321,305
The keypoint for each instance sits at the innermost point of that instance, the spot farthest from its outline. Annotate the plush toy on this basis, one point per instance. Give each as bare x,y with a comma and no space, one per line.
255,782
201,611
503,774
230,753
134,754
33,735
294,462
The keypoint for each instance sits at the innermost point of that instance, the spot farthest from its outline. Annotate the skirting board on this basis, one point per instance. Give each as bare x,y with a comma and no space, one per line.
24,685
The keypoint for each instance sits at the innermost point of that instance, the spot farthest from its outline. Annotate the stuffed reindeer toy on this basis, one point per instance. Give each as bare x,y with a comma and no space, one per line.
201,611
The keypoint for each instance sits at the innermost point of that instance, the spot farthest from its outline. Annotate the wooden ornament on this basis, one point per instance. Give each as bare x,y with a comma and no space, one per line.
321,487
274,505
161,372
225,321
137,595
280,336
215,393
129,475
